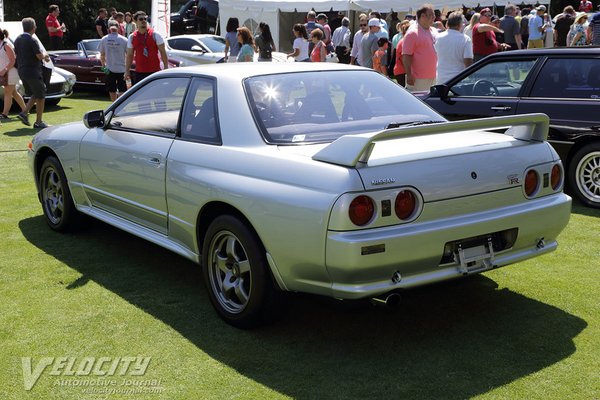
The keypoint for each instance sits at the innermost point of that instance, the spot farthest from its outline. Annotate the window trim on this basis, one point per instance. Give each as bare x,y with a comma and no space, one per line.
219,138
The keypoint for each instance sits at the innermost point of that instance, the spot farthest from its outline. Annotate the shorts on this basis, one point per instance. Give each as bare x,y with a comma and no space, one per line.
13,76
116,81
138,76
35,86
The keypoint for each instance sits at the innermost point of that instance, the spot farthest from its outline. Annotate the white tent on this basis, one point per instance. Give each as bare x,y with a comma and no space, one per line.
281,15
276,13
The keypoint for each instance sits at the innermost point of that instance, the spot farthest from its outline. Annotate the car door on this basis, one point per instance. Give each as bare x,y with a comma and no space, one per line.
123,165
489,91
191,51
568,91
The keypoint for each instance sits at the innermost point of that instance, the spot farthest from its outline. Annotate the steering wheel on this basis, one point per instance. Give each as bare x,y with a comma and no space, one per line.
483,87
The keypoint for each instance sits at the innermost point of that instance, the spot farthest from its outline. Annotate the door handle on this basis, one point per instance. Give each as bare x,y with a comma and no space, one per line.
154,159
501,108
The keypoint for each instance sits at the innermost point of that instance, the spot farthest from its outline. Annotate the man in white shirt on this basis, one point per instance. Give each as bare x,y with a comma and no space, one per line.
341,41
454,49
356,53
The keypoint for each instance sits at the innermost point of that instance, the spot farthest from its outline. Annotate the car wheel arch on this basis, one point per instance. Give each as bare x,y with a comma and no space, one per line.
40,156
211,211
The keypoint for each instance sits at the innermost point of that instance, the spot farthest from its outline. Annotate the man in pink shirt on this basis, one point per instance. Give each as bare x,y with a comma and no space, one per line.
418,54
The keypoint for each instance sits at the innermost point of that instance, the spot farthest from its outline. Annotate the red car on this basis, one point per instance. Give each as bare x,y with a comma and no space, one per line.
85,63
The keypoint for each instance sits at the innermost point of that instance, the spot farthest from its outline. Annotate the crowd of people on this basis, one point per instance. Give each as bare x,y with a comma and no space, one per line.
422,50
425,48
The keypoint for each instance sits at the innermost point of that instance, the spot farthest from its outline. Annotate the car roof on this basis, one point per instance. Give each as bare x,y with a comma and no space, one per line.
194,36
241,70
562,51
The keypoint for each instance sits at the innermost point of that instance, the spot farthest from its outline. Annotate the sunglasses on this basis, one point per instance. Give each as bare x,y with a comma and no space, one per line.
143,19
363,24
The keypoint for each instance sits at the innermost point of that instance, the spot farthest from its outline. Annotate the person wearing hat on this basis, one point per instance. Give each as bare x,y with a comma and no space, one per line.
586,6
484,36
369,43
537,27
322,19
113,49
341,41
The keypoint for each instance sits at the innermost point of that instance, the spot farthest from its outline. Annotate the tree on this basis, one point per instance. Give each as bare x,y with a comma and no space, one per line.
78,15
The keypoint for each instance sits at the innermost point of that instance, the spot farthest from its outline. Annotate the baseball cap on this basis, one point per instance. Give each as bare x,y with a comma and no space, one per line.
113,24
374,22
485,11
321,16
541,8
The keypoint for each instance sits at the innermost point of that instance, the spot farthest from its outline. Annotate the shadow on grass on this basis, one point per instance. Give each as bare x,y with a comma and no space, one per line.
580,208
449,341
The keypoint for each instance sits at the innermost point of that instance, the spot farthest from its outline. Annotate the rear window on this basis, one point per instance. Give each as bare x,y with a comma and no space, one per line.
310,107
577,78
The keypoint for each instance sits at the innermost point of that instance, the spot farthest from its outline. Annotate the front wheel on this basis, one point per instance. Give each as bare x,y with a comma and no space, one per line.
584,174
57,204
237,275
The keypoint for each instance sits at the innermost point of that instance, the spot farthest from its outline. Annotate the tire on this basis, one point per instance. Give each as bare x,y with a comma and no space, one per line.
52,102
57,203
237,275
584,174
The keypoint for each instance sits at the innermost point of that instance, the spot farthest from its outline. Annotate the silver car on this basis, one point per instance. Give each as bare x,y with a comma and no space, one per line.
305,177
204,49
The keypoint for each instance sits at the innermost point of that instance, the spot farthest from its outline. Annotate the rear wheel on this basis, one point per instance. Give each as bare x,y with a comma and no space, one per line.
237,275
57,204
584,174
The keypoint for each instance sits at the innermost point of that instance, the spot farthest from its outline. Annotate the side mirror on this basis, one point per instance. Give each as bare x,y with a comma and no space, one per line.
198,48
94,119
440,91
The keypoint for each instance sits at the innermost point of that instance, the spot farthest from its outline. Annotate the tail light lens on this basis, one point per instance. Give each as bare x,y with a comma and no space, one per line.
532,182
405,205
556,177
361,210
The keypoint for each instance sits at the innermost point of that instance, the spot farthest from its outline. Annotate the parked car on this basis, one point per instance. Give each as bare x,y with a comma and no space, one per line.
61,85
205,49
305,177
562,83
85,63
194,16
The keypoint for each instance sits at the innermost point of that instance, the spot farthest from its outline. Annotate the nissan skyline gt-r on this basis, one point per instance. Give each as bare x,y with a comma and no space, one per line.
205,49
304,177
85,63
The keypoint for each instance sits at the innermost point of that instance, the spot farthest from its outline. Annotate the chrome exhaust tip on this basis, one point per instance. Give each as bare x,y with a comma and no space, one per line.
392,300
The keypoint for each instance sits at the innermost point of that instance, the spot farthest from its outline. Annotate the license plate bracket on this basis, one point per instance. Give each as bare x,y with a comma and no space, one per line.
476,258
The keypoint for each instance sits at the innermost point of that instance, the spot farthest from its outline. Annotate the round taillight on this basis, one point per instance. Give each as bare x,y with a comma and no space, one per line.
405,205
556,177
361,210
531,182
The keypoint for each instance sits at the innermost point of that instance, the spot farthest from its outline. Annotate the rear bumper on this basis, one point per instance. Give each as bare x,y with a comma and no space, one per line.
415,250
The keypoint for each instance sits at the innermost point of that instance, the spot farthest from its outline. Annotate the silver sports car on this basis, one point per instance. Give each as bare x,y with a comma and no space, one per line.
305,177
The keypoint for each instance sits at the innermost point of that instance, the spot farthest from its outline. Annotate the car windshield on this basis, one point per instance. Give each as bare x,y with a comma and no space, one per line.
91,46
313,107
216,44
180,5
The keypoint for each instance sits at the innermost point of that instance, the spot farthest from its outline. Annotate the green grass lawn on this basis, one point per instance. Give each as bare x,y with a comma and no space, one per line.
527,331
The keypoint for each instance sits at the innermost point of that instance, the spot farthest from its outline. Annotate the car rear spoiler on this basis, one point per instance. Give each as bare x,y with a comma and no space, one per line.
349,150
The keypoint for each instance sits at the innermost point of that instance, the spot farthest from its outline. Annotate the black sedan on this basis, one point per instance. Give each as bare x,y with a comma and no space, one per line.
563,83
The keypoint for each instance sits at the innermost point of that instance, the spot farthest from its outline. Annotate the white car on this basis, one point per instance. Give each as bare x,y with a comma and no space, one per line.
204,49
305,177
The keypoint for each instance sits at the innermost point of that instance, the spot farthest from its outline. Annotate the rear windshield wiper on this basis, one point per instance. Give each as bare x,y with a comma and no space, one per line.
393,125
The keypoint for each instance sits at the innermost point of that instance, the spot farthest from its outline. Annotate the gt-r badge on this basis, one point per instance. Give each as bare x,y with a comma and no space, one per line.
384,181
513,179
